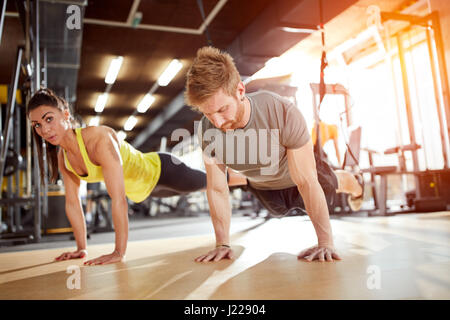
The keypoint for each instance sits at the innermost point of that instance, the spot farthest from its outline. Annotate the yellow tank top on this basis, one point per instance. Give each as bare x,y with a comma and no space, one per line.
141,171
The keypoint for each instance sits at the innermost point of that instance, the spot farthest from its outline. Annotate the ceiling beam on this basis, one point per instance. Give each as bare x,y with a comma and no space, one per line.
129,24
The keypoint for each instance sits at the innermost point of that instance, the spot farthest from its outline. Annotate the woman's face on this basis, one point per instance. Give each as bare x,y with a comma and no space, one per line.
50,123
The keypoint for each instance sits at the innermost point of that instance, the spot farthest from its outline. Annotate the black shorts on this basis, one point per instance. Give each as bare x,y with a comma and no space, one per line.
177,178
93,186
280,202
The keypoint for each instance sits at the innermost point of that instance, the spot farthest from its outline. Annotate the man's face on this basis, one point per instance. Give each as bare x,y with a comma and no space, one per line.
225,112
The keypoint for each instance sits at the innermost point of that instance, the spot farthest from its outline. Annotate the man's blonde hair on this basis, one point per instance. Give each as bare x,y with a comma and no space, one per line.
211,71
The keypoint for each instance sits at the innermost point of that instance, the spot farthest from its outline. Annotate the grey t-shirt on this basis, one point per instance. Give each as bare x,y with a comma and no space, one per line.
258,150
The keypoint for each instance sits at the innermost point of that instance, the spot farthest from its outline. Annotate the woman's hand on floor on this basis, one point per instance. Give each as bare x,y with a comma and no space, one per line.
79,254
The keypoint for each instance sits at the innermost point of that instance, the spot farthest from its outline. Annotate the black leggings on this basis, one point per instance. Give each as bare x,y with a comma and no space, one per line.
177,178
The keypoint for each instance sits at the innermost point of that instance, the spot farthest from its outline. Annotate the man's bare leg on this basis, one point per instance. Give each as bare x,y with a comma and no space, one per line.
347,183
235,178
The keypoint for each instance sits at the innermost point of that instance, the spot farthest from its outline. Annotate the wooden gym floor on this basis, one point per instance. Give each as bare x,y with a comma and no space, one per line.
399,257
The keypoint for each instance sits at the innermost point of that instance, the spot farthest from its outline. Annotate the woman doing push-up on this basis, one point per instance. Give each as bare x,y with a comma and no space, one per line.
96,154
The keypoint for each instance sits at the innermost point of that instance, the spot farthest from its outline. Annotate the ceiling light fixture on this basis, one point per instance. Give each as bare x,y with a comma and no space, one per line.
121,135
95,121
131,122
170,72
145,103
113,70
297,30
101,102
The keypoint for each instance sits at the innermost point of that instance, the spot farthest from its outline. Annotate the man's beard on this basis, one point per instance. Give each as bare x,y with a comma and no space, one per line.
233,124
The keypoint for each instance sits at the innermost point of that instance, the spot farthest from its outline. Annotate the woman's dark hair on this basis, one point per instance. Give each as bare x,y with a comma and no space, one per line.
48,98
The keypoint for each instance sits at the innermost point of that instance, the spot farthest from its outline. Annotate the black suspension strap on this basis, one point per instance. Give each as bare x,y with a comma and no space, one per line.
202,12
323,60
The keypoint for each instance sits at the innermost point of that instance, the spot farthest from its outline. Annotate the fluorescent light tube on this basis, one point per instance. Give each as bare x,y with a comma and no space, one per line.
298,30
145,103
170,72
131,122
121,135
101,102
113,70
94,121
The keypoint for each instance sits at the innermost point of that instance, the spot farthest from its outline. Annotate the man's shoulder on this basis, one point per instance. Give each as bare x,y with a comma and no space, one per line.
263,95
264,98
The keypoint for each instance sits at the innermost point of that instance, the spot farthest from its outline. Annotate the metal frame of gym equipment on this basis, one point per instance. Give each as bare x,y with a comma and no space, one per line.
2,19
35,195
335,89
101,213
421,202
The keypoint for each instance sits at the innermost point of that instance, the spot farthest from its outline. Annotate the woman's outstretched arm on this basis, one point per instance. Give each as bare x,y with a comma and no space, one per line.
107,155
74,211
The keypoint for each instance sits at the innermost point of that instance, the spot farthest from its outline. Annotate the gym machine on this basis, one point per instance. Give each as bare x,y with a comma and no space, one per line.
33,198
432,192
351,157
